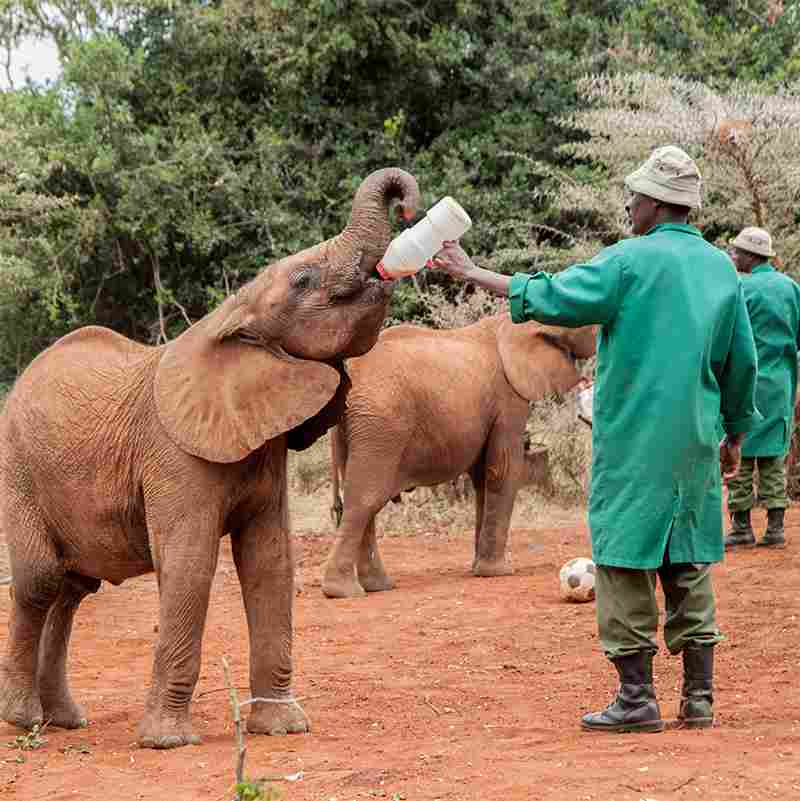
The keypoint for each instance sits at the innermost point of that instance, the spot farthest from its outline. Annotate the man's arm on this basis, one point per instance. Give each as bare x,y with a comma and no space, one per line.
730,455
453,260
583,294
738,378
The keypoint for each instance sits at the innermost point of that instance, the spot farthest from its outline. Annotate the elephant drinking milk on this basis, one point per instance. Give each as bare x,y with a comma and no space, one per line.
118,459
426,406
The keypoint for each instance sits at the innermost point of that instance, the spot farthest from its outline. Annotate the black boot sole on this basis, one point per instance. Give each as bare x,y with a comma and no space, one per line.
693,723
774,545
651,727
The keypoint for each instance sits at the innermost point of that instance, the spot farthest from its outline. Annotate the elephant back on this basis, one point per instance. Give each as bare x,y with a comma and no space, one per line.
86,374
79,354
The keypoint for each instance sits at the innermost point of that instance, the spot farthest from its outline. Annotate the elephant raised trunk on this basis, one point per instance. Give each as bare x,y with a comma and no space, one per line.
369,230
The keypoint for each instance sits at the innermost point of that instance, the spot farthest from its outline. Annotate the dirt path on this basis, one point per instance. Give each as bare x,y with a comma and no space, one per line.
450,687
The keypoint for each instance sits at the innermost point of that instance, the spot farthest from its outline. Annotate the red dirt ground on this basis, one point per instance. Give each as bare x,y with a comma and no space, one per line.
450,687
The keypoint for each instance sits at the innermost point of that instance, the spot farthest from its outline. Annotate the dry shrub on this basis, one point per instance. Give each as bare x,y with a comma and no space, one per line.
470,305
554,423
428,510
310,470
745,140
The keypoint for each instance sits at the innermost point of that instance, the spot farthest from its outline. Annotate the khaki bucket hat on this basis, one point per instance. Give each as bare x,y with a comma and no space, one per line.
754,240
669,175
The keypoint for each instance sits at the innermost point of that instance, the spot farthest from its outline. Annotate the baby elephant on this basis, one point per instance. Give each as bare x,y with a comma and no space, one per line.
426,406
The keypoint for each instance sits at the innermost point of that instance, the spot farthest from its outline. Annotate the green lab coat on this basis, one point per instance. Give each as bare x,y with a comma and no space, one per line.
675,353
773,302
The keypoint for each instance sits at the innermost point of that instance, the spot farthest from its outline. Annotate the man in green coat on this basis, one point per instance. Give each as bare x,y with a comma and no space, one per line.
773,303
675,353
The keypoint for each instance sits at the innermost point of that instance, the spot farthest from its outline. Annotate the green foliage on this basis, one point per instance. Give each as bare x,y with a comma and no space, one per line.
30,741
718,42
255,790
189,144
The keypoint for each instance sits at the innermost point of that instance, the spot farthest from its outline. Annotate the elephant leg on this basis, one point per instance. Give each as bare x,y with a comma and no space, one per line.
339,578
262,553
367,490
185,566
502,464
57,704
37,584
478,477
371,572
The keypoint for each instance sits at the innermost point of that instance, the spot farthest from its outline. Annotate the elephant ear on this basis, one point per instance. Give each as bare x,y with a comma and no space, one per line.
307,433
535,359
220,398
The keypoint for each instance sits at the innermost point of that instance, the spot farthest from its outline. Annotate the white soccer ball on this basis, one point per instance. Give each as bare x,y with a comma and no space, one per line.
576,580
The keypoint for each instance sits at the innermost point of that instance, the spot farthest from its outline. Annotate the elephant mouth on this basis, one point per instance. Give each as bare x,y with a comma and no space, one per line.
376,289
369,290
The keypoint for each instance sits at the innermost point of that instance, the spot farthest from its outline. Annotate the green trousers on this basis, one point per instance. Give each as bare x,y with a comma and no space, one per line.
771,484
627,610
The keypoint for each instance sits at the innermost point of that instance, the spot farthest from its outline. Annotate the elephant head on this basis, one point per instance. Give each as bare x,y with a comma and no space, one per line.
540,359
269,357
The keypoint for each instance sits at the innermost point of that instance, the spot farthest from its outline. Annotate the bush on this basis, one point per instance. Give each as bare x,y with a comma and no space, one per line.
310,469
554,424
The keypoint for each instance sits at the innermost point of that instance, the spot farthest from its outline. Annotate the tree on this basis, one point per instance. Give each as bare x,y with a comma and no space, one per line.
190,142
719,42
38,234
745,142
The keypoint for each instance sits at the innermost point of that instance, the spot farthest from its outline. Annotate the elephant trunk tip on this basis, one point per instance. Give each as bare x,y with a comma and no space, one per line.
406,212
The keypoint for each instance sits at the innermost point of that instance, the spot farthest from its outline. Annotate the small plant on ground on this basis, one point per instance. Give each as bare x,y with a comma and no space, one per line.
30,741
255,790
82,748
245,789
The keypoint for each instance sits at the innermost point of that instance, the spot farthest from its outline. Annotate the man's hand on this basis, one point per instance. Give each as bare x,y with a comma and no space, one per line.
730,455
453,260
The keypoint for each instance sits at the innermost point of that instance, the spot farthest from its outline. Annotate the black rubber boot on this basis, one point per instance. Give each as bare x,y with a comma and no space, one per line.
741,534
774,536
635,708
697,698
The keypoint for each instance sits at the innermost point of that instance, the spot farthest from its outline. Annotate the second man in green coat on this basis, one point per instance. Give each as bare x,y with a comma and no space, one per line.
773,303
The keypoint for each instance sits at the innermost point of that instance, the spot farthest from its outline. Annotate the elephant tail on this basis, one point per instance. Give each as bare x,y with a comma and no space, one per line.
338,461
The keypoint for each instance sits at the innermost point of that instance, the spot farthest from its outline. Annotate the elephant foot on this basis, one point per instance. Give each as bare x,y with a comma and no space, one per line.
488,568
278,719
63,712
20,706
161,732
337,585
376,582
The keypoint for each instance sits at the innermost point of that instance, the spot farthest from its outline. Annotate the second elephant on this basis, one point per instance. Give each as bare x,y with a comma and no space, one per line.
427,405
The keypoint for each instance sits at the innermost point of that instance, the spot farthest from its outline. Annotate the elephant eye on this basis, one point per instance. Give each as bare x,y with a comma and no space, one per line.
304,279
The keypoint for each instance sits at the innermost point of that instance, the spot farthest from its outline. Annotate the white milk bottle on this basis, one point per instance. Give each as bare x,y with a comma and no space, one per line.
410,251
